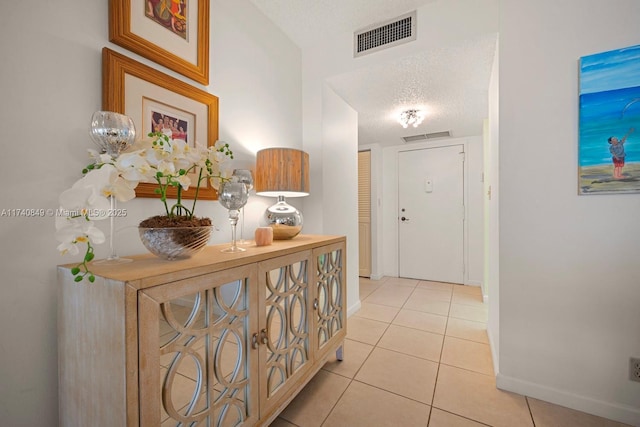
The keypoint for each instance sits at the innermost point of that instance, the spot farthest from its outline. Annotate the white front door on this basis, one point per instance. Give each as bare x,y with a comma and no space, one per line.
431,214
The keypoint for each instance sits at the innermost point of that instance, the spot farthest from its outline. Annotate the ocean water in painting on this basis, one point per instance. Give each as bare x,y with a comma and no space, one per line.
605,114
609,104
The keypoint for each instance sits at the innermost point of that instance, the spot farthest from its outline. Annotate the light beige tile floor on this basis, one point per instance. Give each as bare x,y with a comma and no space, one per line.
417,354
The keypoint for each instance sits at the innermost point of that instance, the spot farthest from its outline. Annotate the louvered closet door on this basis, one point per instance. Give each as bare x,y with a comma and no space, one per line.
364,212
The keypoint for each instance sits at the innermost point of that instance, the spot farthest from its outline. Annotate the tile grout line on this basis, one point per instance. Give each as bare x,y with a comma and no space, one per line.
351,380
526,399
462,416
337,401
376,346
439,362
435,382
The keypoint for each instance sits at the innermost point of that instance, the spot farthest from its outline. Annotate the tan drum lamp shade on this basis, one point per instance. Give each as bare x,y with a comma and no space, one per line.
281,173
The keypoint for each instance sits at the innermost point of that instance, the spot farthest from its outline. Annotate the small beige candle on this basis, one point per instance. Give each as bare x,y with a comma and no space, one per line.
264,236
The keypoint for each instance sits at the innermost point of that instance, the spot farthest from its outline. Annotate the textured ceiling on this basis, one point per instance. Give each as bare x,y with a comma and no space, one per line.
449,83
308,21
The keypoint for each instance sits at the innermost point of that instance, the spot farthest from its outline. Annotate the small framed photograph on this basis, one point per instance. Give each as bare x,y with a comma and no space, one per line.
172,33
158,102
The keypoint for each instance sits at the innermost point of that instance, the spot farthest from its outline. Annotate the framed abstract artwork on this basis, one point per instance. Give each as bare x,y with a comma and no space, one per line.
609,130
172,33
158,102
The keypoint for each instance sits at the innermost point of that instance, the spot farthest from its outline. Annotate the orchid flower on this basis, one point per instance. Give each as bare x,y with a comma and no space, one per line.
134,168
184,181
88,193
73,230
157,159
78,229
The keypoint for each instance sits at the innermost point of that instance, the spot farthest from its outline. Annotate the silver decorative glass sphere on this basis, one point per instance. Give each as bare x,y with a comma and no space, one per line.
285,220
112,132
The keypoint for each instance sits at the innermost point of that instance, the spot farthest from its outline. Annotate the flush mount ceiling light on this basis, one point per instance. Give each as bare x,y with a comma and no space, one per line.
411,117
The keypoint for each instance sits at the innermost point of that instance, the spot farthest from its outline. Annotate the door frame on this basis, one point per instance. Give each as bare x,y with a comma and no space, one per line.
390,206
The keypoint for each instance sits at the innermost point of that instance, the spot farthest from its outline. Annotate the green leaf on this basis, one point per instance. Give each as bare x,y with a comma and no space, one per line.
78,279
157,191
89,256
75,270
92,278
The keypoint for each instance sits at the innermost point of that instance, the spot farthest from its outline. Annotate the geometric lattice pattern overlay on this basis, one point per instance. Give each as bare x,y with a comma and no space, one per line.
287,329
329,294
203,353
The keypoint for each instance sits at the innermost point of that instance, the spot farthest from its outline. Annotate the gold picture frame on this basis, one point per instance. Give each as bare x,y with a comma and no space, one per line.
143,93
135,25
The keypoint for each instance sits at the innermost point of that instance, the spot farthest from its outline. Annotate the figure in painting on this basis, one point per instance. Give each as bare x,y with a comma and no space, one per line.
178,17
616,148
171,14
156,124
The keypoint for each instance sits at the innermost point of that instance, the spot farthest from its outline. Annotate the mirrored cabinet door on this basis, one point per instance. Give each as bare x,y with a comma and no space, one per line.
329,314
284,305
197,363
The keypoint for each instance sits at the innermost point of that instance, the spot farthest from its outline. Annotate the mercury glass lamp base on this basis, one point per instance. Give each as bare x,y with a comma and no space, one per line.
285,220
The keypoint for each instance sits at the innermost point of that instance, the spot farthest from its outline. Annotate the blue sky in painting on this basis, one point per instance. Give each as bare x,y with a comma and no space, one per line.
609,104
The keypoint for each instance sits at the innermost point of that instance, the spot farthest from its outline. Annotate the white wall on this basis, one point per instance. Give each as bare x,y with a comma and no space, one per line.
491,283
474,208
256,71
474,220
569,270
441,24
50,87
340,166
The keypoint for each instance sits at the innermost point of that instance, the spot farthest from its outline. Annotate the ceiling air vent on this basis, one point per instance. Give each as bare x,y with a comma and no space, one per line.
386,34
424,136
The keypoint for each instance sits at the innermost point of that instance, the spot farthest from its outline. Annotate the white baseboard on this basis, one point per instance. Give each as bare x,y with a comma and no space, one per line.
376,276
494,352
474,283
354,308
612,411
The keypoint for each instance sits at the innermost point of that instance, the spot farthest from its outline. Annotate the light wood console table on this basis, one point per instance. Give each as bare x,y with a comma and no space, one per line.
218,339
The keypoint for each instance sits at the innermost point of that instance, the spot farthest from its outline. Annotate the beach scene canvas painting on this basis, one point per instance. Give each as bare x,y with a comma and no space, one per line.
609,145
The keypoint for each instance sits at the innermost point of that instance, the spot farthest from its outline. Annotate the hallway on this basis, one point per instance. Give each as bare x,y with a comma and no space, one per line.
417,354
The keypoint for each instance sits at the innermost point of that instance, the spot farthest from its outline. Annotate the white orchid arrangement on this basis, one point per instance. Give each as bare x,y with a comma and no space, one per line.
156,159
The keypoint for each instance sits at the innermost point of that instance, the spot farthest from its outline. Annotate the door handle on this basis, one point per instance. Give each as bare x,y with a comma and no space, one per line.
254,341
404,219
